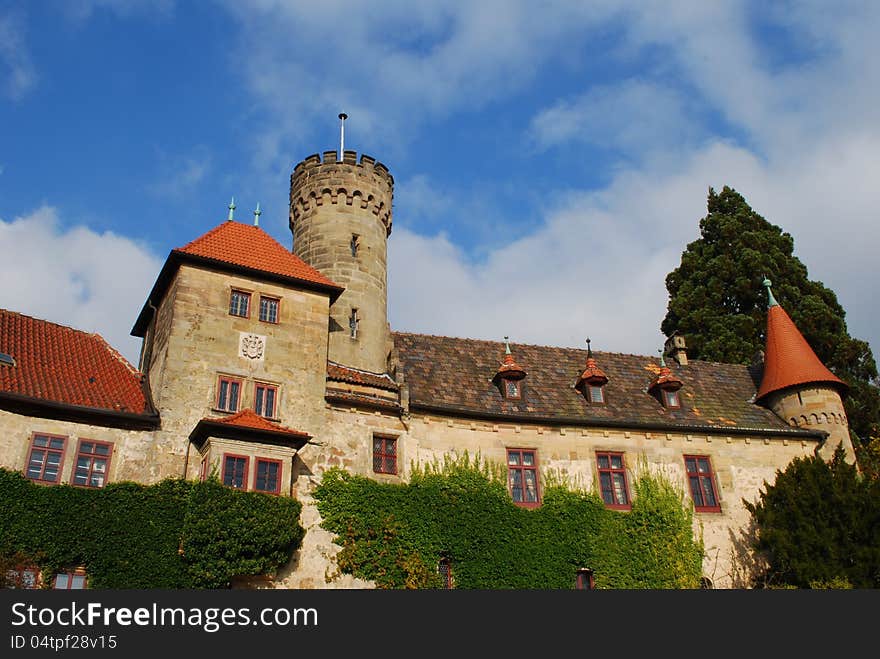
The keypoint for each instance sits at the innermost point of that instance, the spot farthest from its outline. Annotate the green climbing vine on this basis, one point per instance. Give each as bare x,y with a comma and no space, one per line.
396,534
174,534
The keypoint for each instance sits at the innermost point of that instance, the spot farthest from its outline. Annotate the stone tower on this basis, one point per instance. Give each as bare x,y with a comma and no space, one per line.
340,216
798,387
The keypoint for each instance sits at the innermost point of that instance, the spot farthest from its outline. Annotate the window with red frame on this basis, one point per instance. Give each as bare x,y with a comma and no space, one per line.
671,399
584,580
269,309
239,303
203,469
384,455
444,569
235,471
268,476
45,458
26,578
92,462
228,394
265,396
702,483
71,580
512,389
612,480
522,473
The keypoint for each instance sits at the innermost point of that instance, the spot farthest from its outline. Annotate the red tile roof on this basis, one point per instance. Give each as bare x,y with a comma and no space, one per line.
249,246
247,418
788,358
339,373
453,375
59,364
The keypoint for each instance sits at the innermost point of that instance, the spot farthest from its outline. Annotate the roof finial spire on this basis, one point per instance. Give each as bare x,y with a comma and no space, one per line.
342,118
771,301
506,345
257,213
589,349
662,358
231,210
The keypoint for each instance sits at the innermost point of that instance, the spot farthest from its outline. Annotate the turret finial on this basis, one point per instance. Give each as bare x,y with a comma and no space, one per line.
342,118
771,301
257,213
231,210
506,345
589,349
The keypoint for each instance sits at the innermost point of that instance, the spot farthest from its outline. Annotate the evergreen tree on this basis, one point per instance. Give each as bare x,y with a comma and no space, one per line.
819,524
716,300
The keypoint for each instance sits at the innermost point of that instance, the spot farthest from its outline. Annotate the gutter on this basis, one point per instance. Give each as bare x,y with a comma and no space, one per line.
49,409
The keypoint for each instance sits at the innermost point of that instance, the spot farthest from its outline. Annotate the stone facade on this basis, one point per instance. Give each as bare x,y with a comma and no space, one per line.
344,390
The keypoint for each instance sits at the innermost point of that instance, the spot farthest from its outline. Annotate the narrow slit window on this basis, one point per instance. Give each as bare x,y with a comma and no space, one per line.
355,244
353,322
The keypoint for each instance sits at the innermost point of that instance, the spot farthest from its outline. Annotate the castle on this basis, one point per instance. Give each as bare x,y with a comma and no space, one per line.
268,366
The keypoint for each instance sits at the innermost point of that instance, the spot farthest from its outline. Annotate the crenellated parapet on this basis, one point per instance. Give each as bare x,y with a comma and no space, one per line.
365,184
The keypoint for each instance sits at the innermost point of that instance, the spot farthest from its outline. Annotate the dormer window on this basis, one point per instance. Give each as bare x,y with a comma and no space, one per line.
592,381
509,376
671,399
511,389
665,385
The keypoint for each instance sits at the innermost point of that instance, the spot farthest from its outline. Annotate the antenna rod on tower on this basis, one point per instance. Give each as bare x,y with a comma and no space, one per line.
342,118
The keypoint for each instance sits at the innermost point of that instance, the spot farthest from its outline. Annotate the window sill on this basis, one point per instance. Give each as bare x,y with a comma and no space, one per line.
619,506
707,509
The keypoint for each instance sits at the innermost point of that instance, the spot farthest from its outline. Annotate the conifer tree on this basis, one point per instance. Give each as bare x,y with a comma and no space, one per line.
717,302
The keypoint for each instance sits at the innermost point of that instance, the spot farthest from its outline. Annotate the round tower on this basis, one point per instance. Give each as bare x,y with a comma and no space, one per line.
798,387
340,217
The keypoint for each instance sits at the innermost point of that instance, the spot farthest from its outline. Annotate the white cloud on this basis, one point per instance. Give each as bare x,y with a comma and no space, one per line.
90,281
82,10
15,59
597,265
634,116
181,174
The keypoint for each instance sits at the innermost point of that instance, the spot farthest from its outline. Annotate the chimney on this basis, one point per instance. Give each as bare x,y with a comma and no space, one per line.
676,348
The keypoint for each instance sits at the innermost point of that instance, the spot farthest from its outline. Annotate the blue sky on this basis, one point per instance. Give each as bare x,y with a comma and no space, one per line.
551,160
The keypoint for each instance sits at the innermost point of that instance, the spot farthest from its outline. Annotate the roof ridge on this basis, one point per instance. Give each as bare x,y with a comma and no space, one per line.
526,345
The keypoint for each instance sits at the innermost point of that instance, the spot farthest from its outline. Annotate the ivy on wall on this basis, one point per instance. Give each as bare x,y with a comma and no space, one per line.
175,534
395,534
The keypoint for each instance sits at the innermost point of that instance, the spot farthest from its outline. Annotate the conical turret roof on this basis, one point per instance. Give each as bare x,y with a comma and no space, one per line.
788,358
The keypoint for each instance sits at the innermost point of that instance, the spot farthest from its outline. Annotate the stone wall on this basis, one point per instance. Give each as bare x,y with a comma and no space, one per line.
816,407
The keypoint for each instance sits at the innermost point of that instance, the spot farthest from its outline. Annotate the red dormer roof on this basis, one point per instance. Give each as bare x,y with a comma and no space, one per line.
788,358
243,249
509,369
592,374
665,379
60,366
